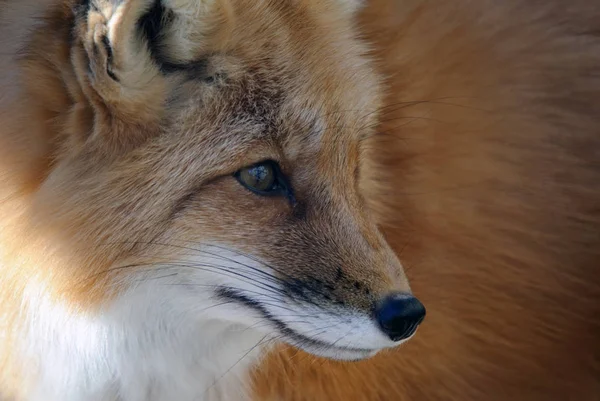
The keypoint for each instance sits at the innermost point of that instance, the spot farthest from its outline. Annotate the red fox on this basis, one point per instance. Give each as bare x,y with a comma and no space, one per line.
186,185
180,191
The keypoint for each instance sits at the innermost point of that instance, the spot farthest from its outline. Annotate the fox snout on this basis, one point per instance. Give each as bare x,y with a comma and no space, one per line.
334,287
394,315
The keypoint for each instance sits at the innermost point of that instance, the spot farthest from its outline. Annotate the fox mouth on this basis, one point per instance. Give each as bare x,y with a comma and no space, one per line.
292,337
330,351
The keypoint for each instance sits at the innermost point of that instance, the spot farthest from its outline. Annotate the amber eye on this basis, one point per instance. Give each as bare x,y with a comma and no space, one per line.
263,178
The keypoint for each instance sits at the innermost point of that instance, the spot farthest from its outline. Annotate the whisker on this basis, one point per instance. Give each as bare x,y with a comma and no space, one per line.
343,336
261,342
265,274
207,267
274,279
215,306
156,278
273,268
217,286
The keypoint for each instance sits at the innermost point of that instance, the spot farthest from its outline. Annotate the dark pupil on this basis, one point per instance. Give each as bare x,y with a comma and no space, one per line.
260,177
259,173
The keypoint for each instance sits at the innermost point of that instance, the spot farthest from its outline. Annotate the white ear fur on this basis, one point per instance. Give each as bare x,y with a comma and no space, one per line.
193,21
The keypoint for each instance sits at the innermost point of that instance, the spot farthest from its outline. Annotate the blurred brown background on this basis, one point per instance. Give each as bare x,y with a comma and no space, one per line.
486,177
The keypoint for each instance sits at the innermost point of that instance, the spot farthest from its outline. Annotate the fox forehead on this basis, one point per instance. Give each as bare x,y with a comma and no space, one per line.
300,84
274,113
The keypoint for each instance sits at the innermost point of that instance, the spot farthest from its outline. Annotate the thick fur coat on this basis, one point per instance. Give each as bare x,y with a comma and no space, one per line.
461,136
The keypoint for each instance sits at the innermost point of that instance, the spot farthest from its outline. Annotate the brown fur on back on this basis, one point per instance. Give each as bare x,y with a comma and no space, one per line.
486,176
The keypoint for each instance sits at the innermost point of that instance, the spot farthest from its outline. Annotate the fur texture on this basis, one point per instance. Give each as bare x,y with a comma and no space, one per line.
115,160
485,174
135,264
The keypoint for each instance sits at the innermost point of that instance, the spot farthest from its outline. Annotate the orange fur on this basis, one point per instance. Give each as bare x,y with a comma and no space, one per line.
485,175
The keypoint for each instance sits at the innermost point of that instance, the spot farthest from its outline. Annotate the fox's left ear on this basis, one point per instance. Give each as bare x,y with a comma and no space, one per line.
122,48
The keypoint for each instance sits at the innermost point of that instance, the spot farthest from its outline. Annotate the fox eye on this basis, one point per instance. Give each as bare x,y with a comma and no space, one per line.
263,178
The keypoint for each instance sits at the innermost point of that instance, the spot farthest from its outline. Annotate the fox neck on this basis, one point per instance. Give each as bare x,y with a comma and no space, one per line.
137,349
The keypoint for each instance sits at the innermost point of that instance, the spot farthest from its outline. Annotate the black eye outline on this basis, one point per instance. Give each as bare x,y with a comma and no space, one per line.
280,187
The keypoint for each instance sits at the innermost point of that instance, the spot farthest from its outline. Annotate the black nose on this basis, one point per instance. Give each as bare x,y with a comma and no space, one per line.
399,315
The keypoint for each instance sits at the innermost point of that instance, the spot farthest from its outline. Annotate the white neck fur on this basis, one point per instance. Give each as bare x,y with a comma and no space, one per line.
141,348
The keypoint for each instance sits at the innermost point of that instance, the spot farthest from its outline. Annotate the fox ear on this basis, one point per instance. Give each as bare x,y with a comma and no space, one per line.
122,49
115,67
193,27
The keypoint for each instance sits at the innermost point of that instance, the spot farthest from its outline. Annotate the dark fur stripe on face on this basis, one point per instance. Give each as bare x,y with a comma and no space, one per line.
231,295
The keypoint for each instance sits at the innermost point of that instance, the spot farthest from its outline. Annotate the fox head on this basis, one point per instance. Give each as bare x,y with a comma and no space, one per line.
210,159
